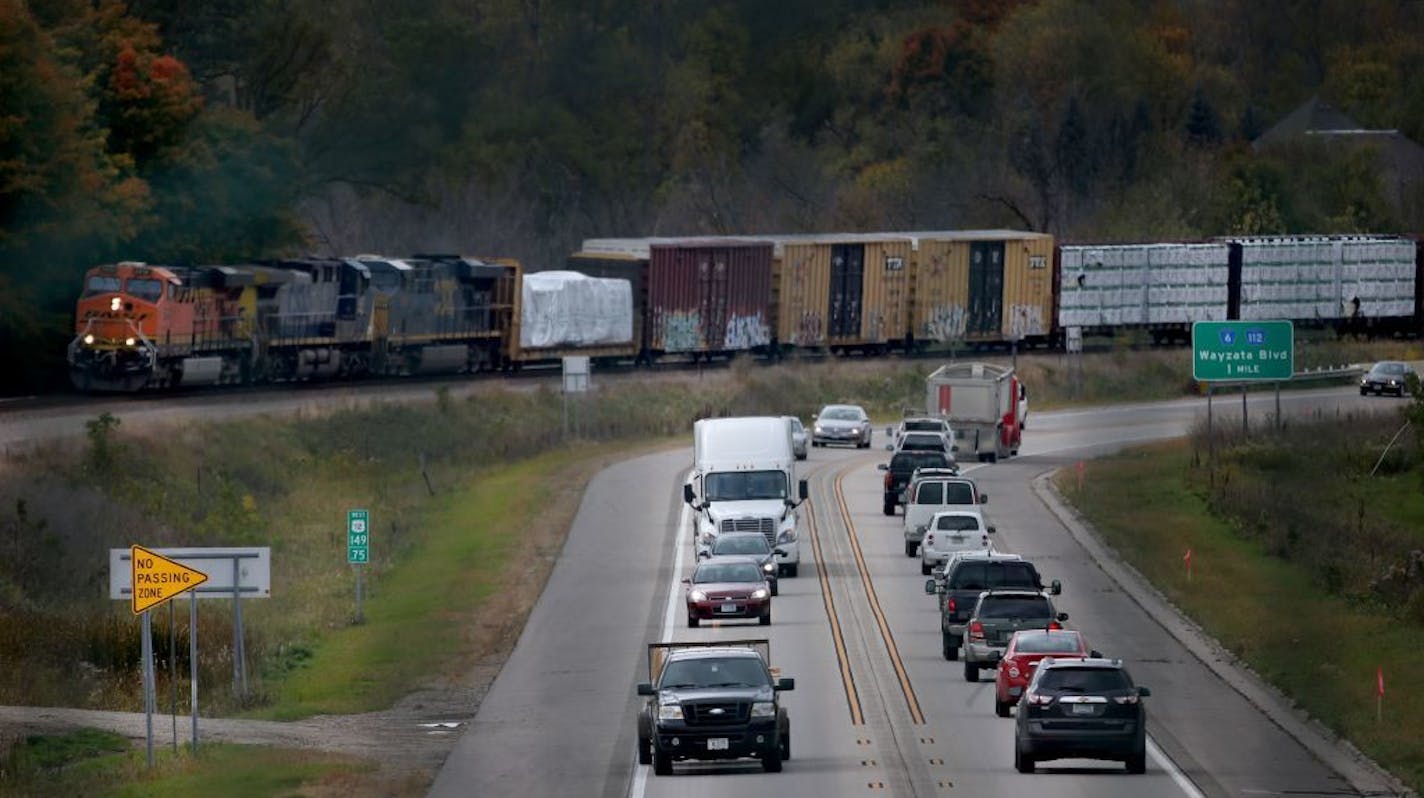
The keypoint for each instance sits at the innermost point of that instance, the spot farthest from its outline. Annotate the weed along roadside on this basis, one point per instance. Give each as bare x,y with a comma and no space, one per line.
1307,574
453,487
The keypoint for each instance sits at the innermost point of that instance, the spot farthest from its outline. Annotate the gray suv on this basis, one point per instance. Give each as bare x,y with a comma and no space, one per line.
997,615
957,589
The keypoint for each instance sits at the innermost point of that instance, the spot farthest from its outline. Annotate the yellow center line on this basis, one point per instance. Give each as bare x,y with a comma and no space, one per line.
890,648
857,717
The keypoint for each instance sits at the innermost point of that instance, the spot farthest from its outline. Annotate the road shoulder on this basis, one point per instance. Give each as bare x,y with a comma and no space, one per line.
1362,773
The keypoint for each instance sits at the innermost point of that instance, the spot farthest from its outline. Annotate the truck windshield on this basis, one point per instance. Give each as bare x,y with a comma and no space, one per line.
730,486
730,672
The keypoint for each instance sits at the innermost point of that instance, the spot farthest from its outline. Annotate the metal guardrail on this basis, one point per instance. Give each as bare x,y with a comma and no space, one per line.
1329,373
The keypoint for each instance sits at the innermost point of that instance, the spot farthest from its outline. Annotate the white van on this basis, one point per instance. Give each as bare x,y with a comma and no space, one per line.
744,480
929,495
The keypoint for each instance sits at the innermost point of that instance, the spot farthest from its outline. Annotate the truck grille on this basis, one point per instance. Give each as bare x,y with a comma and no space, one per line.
766,526
716,713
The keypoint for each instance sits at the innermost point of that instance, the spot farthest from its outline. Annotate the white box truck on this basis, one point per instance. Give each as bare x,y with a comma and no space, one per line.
983,403
744,480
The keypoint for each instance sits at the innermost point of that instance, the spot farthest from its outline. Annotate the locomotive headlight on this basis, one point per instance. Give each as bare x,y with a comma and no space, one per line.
89,339
129,341
115,303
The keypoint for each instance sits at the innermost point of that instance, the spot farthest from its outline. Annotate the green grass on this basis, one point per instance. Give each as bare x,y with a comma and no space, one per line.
415,621
95,763
1321,650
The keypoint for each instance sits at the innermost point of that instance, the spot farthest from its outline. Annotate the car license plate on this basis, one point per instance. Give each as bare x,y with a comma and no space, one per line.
716,743
729,607
1082,709
956,538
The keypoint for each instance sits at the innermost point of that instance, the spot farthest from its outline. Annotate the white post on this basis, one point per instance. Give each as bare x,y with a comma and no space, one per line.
193,662
148,686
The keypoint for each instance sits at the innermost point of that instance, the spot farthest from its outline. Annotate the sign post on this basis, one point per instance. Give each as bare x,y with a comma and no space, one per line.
1241,352
155,579
250,576
358,547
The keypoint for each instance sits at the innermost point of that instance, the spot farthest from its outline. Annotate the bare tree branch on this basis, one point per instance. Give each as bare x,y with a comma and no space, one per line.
1012,207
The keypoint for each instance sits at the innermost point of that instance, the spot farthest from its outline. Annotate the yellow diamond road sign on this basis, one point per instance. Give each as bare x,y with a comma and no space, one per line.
157,579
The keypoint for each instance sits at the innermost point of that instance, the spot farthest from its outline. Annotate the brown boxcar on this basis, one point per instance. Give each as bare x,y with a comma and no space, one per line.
709,296
983,286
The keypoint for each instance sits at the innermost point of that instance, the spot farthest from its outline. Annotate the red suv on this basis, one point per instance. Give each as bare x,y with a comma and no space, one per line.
1025,649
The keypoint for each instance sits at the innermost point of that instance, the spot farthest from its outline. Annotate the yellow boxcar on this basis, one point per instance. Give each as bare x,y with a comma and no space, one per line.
982,286
842,290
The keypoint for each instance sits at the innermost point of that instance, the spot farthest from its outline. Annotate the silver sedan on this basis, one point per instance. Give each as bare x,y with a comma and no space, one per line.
841,424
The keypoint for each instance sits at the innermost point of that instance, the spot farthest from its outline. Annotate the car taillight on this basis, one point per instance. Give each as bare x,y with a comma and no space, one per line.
1126,699
889,480
950,606
1054,626
929,539
976,631
1034,699
1014,671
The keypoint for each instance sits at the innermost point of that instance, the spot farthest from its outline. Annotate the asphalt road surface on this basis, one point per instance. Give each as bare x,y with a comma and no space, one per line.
876,710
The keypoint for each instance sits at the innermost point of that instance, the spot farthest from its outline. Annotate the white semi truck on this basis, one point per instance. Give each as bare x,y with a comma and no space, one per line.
744,480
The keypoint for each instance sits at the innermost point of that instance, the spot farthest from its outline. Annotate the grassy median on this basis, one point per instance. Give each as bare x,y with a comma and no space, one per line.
1272,609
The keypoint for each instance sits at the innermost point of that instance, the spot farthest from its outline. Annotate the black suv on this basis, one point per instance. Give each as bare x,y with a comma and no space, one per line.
902,465
1081,708
967,577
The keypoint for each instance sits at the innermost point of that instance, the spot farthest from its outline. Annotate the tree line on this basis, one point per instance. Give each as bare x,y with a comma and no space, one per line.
200,131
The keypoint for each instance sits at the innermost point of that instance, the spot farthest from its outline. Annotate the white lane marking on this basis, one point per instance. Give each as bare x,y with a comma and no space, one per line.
1157,753
1172,770
640,774
682,520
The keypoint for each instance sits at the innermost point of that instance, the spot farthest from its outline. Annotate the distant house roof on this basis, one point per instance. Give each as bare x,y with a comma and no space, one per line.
1315,116
1317,119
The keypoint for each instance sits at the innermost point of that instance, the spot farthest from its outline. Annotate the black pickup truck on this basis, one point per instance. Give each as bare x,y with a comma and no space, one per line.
965,577
902,465
713,700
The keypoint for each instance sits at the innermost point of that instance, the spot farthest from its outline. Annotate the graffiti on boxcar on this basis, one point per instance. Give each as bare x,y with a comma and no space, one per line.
682,331
747,332
811,330
1026,320
945,323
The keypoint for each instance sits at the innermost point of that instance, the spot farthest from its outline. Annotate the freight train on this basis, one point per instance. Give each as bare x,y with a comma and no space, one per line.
141,326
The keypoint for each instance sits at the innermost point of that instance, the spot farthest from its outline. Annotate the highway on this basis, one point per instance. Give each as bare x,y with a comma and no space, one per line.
876,710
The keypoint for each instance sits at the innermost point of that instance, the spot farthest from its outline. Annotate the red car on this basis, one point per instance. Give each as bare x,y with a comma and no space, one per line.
1026,648
728,587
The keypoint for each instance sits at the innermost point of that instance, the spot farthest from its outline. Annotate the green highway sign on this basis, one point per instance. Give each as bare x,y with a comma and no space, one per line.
1242,351
358,536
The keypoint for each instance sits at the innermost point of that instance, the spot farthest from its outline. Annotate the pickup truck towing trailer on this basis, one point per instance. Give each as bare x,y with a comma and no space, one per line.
713,700
982,403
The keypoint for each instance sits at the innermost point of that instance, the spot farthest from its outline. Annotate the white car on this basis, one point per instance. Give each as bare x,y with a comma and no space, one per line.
950,532
798,436
935,492
919,424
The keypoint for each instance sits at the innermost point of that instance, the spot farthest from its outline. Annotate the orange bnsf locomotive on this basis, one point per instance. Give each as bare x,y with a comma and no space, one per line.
140,326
